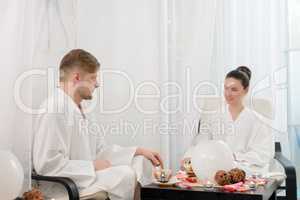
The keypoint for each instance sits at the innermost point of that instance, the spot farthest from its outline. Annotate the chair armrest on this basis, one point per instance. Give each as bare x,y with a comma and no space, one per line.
277,147
291,182
68,183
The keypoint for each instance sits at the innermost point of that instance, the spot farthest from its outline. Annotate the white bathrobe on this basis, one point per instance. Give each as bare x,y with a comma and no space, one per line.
250,140
65,144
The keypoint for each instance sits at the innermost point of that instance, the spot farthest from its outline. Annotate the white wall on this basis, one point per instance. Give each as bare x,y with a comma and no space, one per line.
294,61
294,89
294,25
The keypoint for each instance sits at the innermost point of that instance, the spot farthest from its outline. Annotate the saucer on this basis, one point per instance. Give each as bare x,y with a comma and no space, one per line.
173,180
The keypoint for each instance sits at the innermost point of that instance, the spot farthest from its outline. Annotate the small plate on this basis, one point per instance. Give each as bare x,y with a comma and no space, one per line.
173,180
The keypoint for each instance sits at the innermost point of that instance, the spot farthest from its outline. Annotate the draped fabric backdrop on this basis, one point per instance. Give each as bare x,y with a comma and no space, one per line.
294,89
127,38
158,59
34,34
16,50
214,37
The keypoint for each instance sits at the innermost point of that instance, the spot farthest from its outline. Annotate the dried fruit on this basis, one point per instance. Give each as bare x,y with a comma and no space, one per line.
33,194
237,175
222,177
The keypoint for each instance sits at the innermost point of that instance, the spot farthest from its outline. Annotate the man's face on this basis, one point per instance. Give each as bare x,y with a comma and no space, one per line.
87,84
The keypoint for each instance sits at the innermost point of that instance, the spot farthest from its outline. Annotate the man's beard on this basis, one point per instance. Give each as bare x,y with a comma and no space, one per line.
85,94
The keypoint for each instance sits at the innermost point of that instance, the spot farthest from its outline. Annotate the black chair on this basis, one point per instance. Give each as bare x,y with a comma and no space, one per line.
291,179
68,183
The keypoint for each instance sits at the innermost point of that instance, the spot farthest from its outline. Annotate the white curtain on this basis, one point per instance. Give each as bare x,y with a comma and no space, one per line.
128,39
16,50
294,110
294,89
191,48
214,37
155,57
33,34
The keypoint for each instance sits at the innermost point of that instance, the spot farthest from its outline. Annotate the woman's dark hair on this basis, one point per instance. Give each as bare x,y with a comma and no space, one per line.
243,74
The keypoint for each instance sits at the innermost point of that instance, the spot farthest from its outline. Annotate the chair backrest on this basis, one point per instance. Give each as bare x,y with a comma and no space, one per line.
209,105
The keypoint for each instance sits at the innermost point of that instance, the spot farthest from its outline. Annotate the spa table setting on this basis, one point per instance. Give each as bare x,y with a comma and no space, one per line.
190,188
205,176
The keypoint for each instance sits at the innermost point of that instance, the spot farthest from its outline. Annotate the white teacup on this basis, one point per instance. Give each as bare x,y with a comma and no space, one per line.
162,175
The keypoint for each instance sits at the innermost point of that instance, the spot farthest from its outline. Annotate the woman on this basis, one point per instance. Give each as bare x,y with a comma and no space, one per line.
250,140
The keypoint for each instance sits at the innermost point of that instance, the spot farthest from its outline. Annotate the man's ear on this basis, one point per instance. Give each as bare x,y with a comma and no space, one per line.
75,77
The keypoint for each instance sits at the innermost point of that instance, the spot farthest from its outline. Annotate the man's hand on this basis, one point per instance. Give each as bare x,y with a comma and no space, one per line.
153,156
101,164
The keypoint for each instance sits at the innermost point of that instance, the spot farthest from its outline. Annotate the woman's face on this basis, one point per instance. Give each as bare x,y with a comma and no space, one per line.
234,91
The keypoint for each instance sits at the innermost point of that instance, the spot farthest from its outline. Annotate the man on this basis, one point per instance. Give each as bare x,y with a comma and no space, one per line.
62,148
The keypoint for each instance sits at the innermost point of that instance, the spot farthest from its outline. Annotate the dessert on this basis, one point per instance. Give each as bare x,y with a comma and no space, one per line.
222,177
237,175
33,194
188,168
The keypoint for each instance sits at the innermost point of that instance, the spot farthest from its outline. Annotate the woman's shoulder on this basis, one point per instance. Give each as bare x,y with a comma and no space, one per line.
253,114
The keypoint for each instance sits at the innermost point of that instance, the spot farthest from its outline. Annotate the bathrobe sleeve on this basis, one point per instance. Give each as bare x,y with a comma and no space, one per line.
117,155
260,149
51,151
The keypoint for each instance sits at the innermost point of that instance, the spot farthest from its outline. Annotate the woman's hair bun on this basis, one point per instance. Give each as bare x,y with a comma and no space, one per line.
245,70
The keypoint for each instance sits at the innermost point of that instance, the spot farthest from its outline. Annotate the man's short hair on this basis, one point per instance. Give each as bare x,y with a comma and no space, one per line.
78,58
